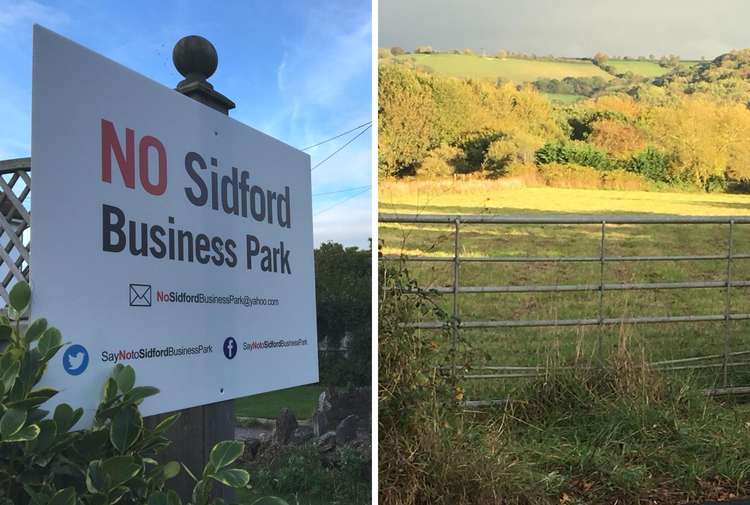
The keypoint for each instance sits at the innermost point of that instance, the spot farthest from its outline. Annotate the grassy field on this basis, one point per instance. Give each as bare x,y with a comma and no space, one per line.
529,347
643,68
301,400
564,98
509,69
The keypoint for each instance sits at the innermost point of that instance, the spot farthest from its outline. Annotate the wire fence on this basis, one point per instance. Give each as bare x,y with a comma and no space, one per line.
729,285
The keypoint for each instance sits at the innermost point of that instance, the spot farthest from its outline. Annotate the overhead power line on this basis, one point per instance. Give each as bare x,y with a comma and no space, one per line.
342,201
340,148
337,136
341,190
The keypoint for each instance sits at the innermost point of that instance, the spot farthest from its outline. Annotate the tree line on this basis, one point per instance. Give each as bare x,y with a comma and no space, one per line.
688,128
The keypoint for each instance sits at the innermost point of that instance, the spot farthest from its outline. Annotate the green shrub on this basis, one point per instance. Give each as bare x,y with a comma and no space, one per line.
442,161
500,154
578,176
716,184
517,146
570,176
652,164
574,152
113,461
475,146
343,291
343,477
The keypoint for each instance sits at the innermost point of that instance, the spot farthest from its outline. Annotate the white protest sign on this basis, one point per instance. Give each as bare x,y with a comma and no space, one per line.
166,236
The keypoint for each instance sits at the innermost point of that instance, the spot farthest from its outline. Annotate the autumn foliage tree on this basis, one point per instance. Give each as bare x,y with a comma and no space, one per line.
689,127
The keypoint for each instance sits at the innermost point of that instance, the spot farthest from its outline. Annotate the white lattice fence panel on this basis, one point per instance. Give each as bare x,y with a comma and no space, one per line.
15,223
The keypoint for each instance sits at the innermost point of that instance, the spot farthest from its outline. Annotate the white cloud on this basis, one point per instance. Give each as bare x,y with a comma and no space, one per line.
348,223
320,80
14,13
317,79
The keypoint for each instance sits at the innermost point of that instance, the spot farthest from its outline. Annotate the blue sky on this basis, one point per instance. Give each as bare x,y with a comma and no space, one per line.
297,70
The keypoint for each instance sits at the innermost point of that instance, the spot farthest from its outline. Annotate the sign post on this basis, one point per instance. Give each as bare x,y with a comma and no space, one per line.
199,428
169,237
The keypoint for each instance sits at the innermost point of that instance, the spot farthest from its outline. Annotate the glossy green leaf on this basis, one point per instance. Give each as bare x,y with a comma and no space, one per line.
5,333
138,394
43,394
171,470
97,480
28,433
125,378
12,422
110,390
35,330
9,375
63,417
126,428
20,296
225,453
201,491
35,415
47,435
120,469
165,424
50,342
65,496
232,477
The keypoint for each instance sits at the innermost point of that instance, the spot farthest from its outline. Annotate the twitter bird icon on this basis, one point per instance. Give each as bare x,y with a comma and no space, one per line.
75,359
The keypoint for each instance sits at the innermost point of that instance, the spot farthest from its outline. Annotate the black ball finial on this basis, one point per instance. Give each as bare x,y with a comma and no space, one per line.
195,58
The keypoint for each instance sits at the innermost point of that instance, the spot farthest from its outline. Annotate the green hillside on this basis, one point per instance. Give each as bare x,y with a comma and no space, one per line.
648,69
508,69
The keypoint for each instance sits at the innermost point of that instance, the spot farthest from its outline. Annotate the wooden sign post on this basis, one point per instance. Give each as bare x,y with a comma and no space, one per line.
199,428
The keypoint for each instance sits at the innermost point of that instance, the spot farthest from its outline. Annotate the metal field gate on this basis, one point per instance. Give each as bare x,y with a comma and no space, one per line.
728,288
15,223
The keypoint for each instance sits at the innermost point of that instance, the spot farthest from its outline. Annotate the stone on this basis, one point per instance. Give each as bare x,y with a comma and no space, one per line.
338,404
327,441
286,423
324,402
301,435
346,431
319,423
253,446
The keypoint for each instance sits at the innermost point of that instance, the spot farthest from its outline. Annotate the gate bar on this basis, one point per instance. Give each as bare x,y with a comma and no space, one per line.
559,219
436,325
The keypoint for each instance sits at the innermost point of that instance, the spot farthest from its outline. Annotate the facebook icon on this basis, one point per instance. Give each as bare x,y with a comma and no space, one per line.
230,348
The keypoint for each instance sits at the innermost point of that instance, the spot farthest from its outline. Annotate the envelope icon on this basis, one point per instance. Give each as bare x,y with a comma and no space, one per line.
140,295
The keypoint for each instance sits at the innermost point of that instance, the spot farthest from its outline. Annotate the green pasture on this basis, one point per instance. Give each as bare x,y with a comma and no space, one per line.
564,98
301,400
508,69
535,346
643,68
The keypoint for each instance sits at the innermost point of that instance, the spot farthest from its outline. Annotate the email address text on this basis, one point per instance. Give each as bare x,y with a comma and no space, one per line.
204,298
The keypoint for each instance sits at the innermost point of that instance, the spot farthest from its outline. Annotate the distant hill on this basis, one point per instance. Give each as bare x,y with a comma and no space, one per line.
639,67
732,65
727,75
507,69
